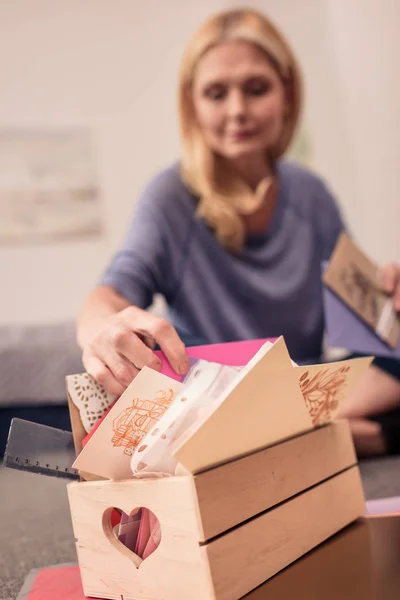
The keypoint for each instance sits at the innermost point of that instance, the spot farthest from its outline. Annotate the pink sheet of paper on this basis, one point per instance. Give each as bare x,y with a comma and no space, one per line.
236,354
155,536
382,506
63,583
128,529
144,533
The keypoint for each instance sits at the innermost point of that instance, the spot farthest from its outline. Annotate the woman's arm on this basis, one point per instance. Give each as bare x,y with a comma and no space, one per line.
102,302
117,338
115,332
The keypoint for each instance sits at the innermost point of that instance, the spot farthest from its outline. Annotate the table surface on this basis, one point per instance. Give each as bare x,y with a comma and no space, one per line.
35,525
360,563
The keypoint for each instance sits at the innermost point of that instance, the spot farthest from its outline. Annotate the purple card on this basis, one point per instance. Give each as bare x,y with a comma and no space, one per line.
346,330
383,506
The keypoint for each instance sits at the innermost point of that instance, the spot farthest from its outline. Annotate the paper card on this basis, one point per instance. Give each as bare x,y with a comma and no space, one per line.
346,330
204,384
128,529
155,535
89,402
271,401
108,452
78,430
220,413
325,387
143,534
61,582
235,354
383,506
263,407
355,279
192,361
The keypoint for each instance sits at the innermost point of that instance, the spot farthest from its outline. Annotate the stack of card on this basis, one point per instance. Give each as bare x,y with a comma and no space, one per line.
140,532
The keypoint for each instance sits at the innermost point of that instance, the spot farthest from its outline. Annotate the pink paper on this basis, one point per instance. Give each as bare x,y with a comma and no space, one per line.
382,506
155,535
128,530
144,533
236,354
63,583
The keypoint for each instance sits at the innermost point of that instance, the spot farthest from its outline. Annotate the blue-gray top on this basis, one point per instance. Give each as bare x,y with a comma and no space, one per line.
272,288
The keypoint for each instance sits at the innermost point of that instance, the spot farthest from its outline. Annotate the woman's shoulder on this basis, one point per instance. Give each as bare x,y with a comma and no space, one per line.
304,189
310,199
166,203
167,190
294,175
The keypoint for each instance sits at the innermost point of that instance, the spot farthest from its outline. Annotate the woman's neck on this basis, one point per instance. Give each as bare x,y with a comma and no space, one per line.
252,169
258,221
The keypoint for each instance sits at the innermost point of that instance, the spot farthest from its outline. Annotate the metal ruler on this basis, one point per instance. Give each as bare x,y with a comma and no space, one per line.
40,449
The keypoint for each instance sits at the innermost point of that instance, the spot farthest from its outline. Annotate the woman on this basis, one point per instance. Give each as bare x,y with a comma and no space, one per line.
233,236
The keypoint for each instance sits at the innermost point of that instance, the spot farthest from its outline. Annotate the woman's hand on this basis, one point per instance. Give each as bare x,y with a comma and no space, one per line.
390,275
123,345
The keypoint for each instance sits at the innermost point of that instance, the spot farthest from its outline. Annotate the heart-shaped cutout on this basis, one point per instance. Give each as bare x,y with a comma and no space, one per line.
137,535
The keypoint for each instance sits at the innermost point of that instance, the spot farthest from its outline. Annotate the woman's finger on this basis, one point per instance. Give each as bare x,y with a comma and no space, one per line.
122,369
171,344
102,374
128,344
160,330
397,299
390,276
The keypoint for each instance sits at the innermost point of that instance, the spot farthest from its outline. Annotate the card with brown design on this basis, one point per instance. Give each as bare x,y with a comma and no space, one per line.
108,452
244,415
354,278
325,387
271,400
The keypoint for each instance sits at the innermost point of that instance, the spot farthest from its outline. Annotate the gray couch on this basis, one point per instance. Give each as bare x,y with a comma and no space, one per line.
34,361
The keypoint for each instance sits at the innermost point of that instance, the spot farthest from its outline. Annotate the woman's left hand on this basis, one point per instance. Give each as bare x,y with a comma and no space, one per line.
390,274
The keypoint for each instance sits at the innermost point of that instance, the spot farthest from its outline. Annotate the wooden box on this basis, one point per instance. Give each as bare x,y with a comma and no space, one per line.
226,529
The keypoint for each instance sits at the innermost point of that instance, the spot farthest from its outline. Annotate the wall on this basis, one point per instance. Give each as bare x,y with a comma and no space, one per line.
349,53
365,47
111,65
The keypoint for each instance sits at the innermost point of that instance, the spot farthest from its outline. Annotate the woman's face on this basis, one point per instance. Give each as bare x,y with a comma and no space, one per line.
239,100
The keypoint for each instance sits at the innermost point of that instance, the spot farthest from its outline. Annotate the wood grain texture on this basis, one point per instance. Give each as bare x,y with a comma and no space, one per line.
249,555
234,492
175,571
239,560
78,431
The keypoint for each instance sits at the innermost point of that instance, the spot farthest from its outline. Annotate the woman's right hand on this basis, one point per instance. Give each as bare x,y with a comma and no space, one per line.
123,344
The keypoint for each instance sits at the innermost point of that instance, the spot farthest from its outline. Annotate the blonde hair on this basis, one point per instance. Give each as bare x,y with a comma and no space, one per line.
224,198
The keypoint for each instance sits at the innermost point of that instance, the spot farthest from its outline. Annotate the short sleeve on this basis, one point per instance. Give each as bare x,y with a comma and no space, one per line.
329,220
148,261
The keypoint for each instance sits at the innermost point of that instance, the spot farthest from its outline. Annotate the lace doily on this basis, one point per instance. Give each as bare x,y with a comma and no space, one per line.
91,399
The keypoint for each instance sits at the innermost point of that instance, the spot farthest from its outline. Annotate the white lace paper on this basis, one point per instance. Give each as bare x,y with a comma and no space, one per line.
91,399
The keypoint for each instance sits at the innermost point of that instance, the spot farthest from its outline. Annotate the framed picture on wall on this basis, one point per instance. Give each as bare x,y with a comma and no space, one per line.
48,186
301,148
